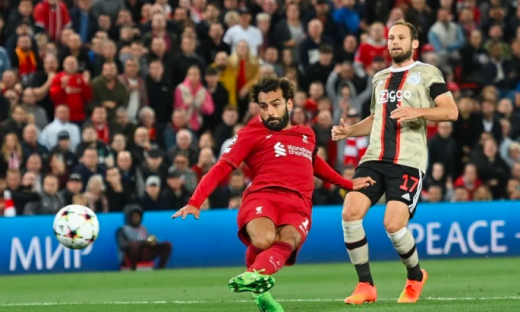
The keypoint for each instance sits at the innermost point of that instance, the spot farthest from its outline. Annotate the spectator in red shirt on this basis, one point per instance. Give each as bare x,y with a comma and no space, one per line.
70,88
469,180
52,16
206,161
374,46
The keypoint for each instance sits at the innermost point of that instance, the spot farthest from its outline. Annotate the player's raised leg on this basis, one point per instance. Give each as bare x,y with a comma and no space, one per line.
261,233
396,218
354,210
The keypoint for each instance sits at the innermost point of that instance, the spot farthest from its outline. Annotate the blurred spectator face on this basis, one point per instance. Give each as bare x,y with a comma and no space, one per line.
180,15
461,195
348,173
30,134
513,186
490,148
443,16
50,185
475,38
231,4
141,136
179,120
104,22
102,35
122,117
34,163
193,75
269,6
124,161
158,22
126,34
465,106
183,139
147,118
65,36
444,129
19,115
175,183
74,42
287,57
216,31
118,143
74,186
221,60
271,55
235,202
242,49
124,18
470,173
211,13
495,32
434,194
85,5
137,50
315,29
488,109
24,43
156,70
505,107
466,16
266,70
62,113
28,97
63,144
212,80
113,175
350,44
109,50
324,119
180,162
254,109
496,51
131,68
154,162
206,141
377,32
9,79
25,7
89,135
11,141
316,91
325,59
515,172
109,71
244,19
230,117
50,64
237,182
70,65
263,24
13,179
206,157
22,29
146,11
437,171
324,104
481,194
99,115
300,98
298,116
90,158
293,12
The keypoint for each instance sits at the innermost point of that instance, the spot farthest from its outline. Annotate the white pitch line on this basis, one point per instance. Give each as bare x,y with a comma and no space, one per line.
238,301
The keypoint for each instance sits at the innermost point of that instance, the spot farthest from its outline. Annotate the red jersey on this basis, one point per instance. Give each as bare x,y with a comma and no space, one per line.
277,159
77,100
367,52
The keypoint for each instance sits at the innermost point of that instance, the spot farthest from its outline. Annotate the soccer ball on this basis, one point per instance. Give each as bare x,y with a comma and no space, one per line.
76,226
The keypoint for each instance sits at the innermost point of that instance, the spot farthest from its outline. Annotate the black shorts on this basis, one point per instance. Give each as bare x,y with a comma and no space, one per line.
400,183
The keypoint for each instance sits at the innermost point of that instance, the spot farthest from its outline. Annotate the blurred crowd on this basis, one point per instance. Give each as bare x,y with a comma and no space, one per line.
112,102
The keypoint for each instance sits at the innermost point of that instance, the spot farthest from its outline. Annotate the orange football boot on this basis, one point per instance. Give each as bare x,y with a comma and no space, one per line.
412,290
363,293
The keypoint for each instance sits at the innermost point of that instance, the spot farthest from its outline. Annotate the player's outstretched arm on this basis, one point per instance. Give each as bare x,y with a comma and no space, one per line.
206,186
445,110
323,171
362,128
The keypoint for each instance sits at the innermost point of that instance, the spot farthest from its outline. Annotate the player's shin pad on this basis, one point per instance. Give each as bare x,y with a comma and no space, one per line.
405,246
355,241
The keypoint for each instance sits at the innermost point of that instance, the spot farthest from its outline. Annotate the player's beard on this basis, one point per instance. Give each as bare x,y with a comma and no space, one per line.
280,125
403,57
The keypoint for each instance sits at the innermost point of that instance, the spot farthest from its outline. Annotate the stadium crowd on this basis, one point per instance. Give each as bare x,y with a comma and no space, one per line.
111,102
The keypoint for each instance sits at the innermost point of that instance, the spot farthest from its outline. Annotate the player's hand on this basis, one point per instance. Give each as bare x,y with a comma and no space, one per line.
361,183
187,210
340,132
404,113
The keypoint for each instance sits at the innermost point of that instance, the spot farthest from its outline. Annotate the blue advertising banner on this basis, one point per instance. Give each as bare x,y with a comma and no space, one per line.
441,231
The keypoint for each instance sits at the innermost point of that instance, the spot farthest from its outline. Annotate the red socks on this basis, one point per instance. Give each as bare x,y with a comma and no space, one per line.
272,259
251,253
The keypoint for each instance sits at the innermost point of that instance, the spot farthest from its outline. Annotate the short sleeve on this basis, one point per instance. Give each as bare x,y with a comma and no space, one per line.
434,83
373,99
242,145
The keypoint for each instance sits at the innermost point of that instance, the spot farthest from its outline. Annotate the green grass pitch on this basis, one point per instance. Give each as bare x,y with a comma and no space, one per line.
475,285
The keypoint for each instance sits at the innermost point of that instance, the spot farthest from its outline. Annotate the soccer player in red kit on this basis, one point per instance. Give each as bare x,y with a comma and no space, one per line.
275,216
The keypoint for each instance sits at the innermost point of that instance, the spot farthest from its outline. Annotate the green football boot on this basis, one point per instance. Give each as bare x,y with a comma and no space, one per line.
252,282
266,303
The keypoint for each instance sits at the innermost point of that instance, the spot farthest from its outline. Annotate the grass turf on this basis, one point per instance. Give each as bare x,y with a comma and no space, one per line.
475,285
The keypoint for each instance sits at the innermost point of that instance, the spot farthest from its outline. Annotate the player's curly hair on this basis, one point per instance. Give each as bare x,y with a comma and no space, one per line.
272,83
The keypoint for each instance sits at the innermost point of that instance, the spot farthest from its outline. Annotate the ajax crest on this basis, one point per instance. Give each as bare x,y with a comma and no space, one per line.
414,78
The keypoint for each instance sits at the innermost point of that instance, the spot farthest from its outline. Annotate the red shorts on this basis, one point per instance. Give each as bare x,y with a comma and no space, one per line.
280,206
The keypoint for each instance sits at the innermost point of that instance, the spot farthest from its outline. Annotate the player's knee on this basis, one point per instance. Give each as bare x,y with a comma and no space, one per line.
263,241
392,225
354,208
351,214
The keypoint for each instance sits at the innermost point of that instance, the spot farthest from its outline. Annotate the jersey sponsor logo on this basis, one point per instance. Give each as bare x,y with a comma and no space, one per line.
385,96
279,150
300,151
305,139
414,79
